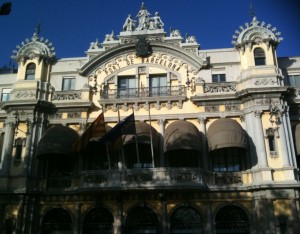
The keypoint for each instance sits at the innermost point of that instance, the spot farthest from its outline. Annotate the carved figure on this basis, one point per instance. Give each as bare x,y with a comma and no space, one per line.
143,16
158,24
129,24
190,39
110,37
94,45
175,33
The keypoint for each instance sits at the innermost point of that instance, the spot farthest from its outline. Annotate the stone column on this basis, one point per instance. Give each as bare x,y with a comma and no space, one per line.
251,137
202,129
77,218
28,148
161,123
260,140
209,217
283,143
7,147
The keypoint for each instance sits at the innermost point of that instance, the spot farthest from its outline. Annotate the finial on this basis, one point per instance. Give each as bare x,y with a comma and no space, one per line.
38,28
252,10
143,6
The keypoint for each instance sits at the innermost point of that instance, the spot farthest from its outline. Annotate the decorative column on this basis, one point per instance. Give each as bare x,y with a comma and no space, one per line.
7,147
77,218
283,143
161,123
28,147
209,217
259,140
202,129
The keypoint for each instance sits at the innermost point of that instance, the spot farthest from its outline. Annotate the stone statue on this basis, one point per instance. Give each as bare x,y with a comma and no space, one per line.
129,24
94,45
110,37
190,39
143,16
175,33
158,24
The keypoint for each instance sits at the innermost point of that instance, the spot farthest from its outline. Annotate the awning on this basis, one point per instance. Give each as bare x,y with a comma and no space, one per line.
224,133
143,135
297,138
182,135
57,140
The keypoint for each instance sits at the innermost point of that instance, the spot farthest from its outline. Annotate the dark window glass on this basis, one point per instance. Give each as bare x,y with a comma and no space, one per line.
218,78
259,57
227,159
30,72
294,80
271,140
127,86
158,85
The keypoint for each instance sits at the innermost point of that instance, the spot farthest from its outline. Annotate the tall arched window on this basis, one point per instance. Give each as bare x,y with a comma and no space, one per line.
186,220
57,221
259,57
232,219
98,220
30,72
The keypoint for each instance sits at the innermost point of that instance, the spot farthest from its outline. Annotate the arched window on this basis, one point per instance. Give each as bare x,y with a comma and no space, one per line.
259,57
142,219
57,221
30,72
98,220
232,219
186,220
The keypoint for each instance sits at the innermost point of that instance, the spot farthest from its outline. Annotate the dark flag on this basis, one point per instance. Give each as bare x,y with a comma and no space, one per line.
124,127
96,129
5,8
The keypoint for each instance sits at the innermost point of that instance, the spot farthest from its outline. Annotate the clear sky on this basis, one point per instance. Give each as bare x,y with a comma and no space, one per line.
72,24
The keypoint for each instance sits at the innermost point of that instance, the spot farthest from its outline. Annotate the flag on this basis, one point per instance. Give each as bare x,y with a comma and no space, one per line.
5,8
96,129
124,127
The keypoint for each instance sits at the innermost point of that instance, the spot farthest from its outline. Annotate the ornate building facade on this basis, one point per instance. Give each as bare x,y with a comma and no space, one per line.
216,146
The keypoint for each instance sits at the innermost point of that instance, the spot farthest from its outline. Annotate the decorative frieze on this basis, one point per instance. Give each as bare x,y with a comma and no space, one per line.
265,81
211,108
27,94
232,107
95,178
74,115
138,178
228,178
59,96
219,88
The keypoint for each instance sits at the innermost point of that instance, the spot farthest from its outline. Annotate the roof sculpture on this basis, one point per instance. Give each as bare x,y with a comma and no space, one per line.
256,32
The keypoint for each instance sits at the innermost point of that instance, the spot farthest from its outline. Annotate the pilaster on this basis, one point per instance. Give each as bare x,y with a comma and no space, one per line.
162,123
202,128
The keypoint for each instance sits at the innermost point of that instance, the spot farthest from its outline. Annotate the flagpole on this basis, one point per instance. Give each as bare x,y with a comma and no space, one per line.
108,156
122,150
151,140
136,145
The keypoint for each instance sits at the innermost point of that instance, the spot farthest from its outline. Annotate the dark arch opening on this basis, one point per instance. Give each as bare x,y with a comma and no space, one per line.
259,57
232,219
186,220
57,221
98,220
30,72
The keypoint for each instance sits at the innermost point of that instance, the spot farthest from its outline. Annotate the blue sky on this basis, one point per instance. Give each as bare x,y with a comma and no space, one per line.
72,24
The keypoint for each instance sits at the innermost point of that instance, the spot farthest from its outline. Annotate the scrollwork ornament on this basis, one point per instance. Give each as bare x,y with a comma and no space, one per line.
258,113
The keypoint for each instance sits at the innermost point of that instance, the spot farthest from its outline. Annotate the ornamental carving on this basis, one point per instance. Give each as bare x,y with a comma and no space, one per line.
66,96
74,115
232,107
265,81
184,176
25,94
95,179
228,179
211,108
138,178
219,88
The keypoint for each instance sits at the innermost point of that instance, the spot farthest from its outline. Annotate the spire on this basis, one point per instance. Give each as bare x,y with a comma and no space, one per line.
252,12
38,28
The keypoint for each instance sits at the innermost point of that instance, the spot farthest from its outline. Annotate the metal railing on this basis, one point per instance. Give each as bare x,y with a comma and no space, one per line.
162,91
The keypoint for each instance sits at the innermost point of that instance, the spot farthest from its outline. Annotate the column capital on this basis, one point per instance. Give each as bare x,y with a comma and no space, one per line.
161,122
202,119
258,113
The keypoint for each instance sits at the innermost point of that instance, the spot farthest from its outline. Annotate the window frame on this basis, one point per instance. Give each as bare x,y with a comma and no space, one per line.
7,95
259,56
218,78
30,71
70,85
127,91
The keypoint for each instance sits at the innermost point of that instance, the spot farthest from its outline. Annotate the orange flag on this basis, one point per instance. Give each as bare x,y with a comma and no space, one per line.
96,129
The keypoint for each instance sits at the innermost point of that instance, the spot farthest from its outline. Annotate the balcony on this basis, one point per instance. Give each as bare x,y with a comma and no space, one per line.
163,95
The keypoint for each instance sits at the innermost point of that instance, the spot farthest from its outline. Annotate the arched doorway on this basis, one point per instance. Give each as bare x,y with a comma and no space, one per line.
141,219
57,221
232,219
186,220
98,220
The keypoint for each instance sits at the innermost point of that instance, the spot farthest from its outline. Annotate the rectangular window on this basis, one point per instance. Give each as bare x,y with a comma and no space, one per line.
294,80
5,95
68,83
218,78
158,85
127,86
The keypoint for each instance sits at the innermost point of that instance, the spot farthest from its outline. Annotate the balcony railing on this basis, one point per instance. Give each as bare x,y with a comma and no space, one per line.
162,91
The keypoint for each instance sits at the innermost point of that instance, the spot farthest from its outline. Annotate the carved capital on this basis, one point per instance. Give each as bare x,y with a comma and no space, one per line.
258,113
161,122
242,118
202,120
